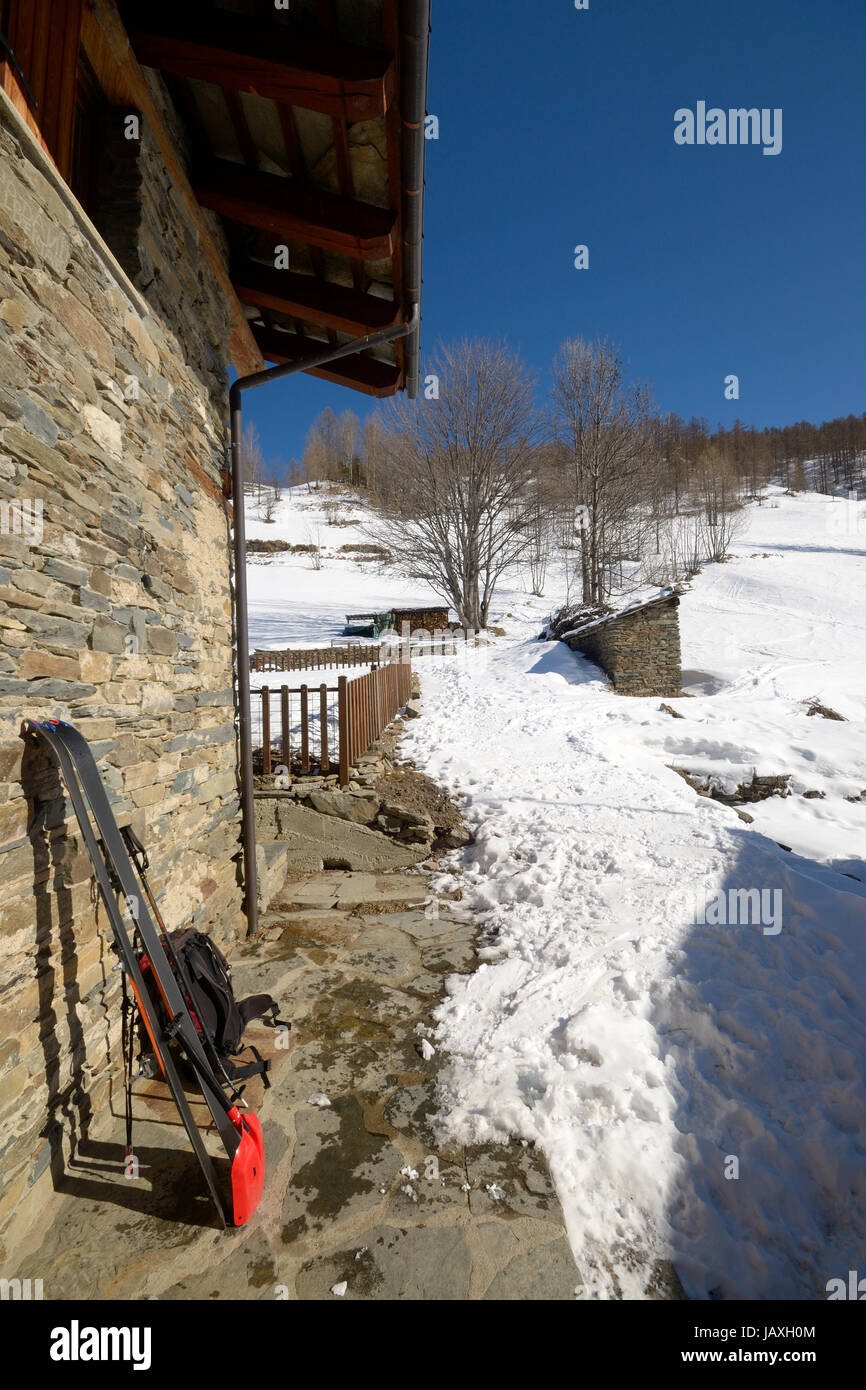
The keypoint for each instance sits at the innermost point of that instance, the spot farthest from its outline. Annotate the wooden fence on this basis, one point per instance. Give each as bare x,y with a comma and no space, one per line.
361,653
334,724
297,741
314,658
366,707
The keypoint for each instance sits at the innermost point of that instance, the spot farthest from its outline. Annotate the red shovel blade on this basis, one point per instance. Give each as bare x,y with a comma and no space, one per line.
248,1165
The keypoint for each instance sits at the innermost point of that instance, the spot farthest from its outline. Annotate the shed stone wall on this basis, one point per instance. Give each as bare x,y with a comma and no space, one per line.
639,650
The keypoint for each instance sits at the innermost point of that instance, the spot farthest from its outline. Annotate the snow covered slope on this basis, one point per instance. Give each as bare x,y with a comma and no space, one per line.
291,603
697,1085
643,1049
780,624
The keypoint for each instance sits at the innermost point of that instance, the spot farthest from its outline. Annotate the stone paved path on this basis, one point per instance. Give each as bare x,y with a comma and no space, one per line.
358,1191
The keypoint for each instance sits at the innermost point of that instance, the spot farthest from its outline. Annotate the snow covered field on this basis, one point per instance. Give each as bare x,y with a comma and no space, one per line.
291,604
697,1088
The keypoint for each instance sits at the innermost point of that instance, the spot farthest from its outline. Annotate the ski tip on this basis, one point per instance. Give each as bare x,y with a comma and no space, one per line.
248,1166
36,727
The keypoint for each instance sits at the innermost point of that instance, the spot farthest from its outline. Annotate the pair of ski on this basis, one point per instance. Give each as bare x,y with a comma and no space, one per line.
239,1131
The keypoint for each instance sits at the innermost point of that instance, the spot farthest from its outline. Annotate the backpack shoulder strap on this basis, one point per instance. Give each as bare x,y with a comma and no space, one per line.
256,1006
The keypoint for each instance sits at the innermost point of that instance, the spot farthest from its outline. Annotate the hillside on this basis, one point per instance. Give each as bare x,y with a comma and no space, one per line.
292,604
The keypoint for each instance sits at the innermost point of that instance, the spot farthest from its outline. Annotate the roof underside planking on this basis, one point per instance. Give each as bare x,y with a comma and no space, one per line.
306,132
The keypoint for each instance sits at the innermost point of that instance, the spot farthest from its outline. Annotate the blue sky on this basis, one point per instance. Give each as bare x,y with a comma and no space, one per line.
556,129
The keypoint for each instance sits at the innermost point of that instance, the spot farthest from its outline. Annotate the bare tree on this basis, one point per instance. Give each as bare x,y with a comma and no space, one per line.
540,518
330,453
717,492
315,540
373,453
348,427
254,459
459,467
603,423
322,449
678,553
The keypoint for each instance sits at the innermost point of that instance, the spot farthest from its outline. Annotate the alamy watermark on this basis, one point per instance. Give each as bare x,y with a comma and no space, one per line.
734,907
735,126
77,1343
842,519
853,1289
22,516
21,1290
421,641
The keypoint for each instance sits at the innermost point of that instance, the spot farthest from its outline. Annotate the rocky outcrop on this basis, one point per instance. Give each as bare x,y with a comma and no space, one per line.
389,816
756,789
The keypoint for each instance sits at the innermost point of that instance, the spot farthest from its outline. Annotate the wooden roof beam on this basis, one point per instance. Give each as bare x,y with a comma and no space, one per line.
353,84
361,372
312,300
108,50
287,209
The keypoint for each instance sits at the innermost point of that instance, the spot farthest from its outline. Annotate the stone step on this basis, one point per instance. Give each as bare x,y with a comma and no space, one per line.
352,892
315,842
272,864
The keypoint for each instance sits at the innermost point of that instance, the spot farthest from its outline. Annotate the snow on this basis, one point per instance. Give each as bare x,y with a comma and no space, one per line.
640,599
696,1086
291,604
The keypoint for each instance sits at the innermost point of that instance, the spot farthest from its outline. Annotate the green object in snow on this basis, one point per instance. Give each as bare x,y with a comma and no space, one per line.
367,624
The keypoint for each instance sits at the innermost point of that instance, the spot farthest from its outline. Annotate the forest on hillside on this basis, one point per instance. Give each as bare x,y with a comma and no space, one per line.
481,473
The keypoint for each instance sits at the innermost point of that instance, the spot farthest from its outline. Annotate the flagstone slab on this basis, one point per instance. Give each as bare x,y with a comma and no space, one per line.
546,1273
393,1262
337,1166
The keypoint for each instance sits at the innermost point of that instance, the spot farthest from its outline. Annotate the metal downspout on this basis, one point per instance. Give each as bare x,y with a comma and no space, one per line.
414,51
330,354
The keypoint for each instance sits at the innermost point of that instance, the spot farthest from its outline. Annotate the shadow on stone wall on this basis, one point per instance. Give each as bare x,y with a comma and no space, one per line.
68,1108
82,1165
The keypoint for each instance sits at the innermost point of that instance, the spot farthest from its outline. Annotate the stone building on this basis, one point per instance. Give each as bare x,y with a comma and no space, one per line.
638,647
169,209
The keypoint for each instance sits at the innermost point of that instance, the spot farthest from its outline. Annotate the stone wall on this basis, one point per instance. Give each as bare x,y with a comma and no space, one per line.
639,650
115,613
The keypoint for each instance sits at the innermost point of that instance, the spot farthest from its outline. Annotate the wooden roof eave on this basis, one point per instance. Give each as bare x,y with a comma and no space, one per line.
110,54
346,83
337,79
278,205
312,300
362,372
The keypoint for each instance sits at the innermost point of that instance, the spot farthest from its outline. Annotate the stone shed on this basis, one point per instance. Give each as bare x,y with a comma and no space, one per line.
638,647
137,267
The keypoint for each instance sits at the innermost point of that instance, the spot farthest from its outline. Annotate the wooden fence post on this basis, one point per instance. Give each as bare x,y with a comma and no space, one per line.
305,730
324,757
286,728
343,728
266,730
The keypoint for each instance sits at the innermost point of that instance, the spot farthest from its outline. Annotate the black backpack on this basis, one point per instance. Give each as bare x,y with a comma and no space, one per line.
204,975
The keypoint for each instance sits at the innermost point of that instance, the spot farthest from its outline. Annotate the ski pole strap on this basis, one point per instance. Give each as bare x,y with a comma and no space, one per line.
136,849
